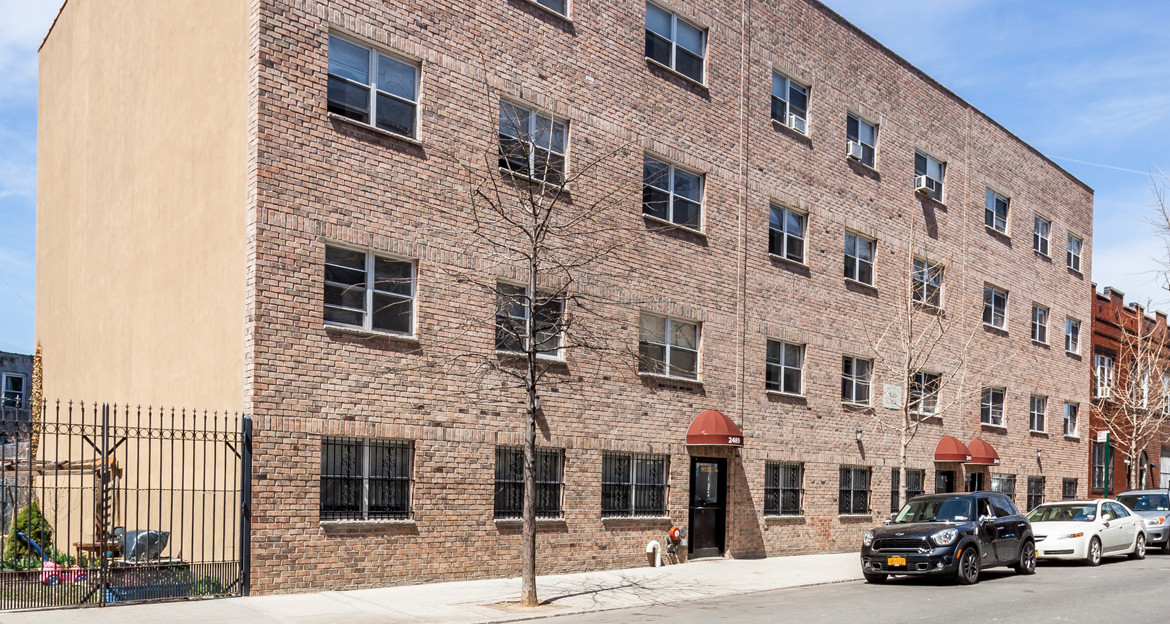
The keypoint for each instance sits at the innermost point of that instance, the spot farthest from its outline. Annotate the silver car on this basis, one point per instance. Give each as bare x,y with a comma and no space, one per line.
1154,507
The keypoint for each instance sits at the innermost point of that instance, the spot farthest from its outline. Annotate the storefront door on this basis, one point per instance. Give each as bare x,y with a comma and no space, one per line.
944,481
708,513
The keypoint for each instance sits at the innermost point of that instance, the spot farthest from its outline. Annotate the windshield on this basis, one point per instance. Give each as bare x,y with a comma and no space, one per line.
1064,513
1145,502
935,510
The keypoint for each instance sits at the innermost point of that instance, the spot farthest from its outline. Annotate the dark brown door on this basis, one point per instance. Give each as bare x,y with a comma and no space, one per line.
708,517
944,481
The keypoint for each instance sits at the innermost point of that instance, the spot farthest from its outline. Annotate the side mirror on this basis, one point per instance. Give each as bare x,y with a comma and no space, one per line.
887,521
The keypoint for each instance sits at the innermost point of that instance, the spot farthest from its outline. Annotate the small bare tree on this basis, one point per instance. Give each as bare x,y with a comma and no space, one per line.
1135,401
926,353
549,243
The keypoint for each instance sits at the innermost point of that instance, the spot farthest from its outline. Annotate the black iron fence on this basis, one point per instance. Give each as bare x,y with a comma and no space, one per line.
107,503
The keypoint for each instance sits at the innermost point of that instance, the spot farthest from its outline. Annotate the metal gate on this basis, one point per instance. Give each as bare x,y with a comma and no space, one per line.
106,503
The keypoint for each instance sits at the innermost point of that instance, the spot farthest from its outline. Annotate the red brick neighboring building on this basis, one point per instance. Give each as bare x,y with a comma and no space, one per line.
1122,404
828,165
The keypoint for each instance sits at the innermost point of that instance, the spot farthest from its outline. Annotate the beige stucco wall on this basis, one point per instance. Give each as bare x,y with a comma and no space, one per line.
141,196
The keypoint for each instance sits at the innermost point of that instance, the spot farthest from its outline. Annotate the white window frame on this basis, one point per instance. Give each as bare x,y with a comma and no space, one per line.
568,8
927,269
669,190
792,120
1074,257
782,367
929,399
854,262
368,310
1102,376
1072,412
786,235
861,121
991,412
989,297
1038,413
668,335
675,18
20,401
1040,316
372,101
1072,335
1041,235
991,212
558,354
941,166
851,380
533,133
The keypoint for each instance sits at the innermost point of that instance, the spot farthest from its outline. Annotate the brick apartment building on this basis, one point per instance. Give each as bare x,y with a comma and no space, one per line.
222,184
1131,397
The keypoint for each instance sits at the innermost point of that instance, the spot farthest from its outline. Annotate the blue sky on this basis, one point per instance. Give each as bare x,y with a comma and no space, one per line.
1087,83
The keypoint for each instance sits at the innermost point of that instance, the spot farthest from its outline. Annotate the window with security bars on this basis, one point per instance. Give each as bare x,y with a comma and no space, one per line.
1068,489
1035,492
633,485
365,479
510,482
1004,484
373,88
854,490
783,486
926,283
532,144
671,193
914,481
368,291
512,320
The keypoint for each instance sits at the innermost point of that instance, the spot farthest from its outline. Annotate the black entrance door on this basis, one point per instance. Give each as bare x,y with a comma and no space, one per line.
708,516
944,481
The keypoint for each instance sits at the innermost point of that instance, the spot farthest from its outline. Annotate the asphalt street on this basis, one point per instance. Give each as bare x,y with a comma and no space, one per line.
1119,590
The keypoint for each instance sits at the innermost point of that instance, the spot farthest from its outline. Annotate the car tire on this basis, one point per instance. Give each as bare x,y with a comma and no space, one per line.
1166,547
1027,562
968,572
874,577
1094,556
1139,548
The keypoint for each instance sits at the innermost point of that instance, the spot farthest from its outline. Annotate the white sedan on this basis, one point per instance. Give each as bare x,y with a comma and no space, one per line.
1087,530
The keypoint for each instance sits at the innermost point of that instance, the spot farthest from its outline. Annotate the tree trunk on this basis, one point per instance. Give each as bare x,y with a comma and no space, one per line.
528,530
902,443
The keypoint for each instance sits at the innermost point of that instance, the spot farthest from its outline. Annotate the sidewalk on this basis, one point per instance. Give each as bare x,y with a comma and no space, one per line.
474,602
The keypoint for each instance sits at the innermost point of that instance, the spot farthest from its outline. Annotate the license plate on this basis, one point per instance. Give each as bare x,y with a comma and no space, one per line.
896,561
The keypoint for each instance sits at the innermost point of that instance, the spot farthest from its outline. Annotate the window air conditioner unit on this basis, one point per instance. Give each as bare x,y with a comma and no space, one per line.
856,150
798,123
923,184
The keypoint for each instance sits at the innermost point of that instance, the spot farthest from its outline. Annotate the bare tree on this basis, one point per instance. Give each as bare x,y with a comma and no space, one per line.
1134,401
926,354
550,244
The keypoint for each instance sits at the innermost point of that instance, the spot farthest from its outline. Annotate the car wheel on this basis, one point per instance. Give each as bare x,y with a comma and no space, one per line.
968,573
1027,562
1166,547
1139,548
874,577
1094,558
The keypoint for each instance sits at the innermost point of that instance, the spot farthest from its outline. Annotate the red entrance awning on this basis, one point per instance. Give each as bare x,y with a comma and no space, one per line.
712,428
983,453
951,450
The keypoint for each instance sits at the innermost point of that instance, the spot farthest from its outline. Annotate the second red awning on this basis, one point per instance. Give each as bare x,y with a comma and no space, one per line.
983,453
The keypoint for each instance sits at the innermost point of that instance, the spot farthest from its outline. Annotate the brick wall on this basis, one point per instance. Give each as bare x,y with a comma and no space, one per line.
319,179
